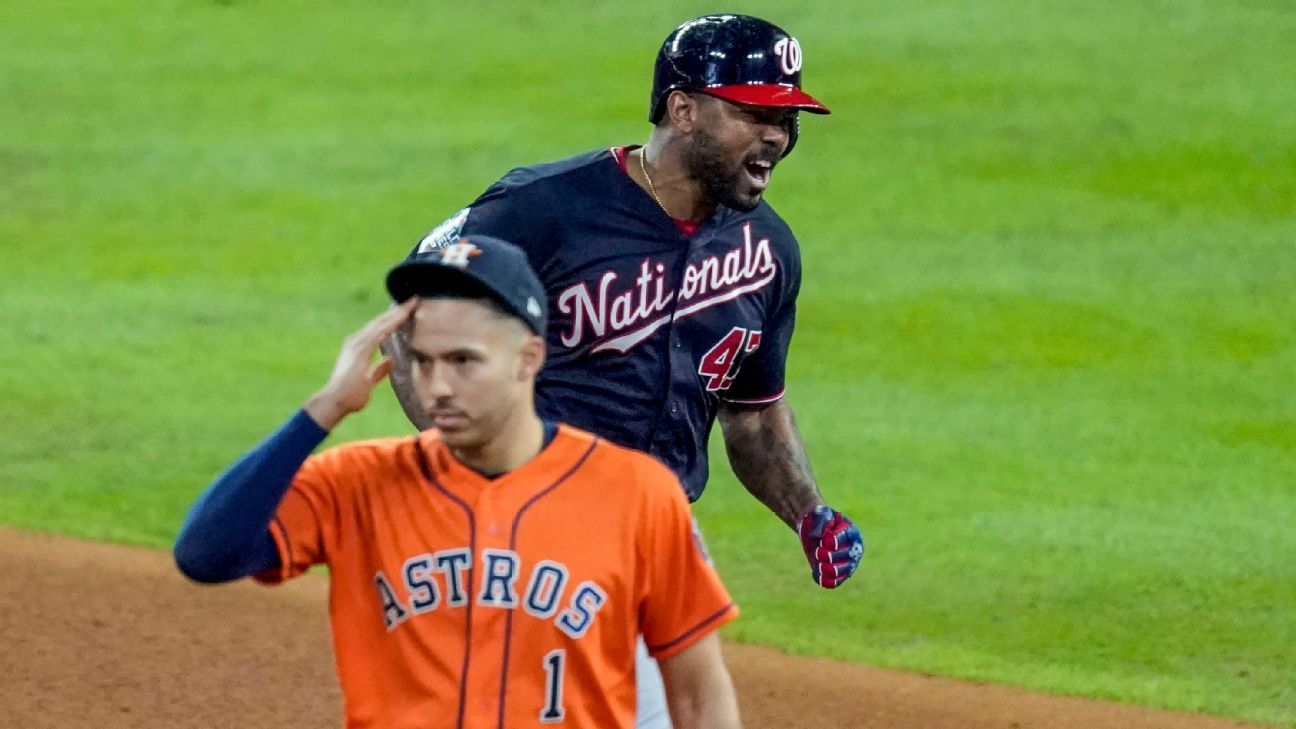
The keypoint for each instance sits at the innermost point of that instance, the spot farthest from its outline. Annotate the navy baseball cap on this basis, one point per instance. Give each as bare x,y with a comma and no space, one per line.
474,266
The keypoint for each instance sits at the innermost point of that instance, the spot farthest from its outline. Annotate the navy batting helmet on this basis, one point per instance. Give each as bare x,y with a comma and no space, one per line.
738,58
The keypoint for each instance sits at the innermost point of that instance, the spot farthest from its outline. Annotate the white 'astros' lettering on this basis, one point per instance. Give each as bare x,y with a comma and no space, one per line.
440,580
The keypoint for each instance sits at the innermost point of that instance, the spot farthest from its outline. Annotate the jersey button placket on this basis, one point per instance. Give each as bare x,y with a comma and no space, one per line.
487,626
677,358
487,519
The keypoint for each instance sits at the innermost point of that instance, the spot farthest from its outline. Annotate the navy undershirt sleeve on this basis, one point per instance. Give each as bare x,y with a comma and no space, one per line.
226,535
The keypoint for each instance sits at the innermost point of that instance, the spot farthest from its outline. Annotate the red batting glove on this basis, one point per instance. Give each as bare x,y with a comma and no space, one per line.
832,543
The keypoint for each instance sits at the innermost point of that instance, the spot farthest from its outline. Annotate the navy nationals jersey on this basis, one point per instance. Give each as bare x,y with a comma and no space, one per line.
649,328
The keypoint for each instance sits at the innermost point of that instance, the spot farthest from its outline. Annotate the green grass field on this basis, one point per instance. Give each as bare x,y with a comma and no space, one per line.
1047,343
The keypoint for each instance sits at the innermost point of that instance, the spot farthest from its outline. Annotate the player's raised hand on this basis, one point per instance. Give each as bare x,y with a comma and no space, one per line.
832,543
355,373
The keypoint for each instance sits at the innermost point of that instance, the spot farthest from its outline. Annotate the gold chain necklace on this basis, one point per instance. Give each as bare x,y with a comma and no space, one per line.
643,152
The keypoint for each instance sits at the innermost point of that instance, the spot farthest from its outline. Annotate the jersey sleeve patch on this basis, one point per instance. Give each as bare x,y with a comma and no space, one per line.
445,233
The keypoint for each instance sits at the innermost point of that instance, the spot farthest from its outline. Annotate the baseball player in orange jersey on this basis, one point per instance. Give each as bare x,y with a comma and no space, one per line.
495,571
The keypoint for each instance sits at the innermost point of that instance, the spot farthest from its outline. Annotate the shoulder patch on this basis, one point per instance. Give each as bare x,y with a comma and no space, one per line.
445,233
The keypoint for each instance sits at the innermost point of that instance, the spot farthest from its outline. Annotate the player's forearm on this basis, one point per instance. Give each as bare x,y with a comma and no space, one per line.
768,456
711,710
699,690
402,383
716,708
225,535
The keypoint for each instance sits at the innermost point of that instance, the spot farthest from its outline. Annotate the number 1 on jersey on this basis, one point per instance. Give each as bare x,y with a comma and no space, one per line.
720,363
554,663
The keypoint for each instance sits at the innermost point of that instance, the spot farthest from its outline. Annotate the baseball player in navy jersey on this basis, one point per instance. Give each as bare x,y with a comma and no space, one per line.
672,283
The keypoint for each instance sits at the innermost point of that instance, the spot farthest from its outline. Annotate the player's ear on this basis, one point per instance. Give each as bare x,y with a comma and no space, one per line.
531,357
682,109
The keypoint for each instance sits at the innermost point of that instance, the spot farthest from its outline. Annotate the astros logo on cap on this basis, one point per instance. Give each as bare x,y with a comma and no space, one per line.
456,254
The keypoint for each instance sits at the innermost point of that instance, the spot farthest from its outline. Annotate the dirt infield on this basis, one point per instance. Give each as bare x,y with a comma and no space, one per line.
102,636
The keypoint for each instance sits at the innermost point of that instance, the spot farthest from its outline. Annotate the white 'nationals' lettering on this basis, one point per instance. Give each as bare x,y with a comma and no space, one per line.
635,312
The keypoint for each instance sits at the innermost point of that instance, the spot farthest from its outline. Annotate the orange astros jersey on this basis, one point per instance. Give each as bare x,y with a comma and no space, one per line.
460,601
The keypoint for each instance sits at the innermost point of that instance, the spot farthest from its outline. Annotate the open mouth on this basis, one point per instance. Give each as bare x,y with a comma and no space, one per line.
759,172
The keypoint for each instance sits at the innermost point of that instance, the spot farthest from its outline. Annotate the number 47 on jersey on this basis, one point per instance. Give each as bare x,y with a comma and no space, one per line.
720,364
